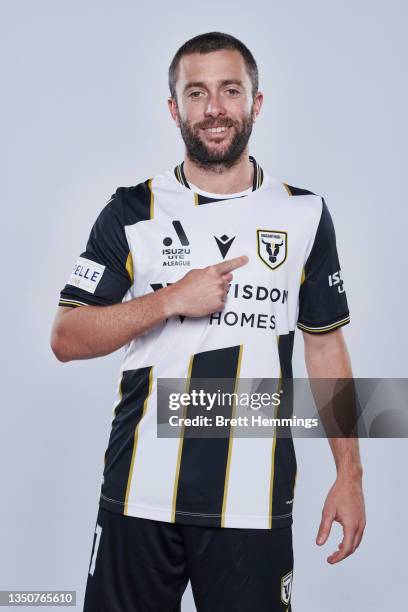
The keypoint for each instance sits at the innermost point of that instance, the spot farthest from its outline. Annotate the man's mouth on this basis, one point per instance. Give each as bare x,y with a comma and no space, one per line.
216,130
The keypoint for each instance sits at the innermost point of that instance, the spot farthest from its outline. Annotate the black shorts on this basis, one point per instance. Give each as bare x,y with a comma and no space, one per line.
143,565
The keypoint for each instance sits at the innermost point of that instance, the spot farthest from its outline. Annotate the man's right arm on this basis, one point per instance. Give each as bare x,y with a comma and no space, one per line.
93,331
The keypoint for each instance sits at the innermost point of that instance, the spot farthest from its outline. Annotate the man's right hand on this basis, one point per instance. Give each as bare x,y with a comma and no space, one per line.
203,291
92,331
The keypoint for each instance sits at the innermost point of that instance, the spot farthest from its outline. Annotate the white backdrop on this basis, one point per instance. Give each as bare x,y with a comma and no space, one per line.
83,108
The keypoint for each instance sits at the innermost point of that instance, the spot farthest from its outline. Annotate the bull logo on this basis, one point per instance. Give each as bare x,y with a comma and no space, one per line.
272,247
286,588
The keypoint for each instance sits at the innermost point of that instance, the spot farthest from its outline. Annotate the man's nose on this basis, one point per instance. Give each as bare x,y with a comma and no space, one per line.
214,106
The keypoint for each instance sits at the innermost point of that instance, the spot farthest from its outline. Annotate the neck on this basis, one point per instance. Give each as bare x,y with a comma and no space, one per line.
218,178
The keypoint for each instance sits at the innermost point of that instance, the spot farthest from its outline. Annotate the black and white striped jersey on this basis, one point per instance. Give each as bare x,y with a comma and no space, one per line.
149,236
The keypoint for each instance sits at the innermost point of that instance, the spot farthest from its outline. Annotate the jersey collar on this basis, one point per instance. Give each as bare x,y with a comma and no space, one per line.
256,183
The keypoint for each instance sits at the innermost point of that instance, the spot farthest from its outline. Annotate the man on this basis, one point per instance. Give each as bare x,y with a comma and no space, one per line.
205,271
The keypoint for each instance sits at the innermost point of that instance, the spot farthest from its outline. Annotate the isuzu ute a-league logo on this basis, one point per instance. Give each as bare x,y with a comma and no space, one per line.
175,255
272,247
224,242
286,588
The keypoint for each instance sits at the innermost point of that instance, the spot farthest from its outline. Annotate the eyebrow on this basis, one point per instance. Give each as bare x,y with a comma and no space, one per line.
222,83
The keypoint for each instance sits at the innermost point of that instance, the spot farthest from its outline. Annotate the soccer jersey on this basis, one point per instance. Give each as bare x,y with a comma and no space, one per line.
149,236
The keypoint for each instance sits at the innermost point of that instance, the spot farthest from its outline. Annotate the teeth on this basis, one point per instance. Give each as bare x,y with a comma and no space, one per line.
215,130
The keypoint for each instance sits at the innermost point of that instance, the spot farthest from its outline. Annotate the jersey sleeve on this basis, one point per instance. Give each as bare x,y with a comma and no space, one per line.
322,299
103,273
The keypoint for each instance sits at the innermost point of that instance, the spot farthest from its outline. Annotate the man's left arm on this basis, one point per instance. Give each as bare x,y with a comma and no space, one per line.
326,357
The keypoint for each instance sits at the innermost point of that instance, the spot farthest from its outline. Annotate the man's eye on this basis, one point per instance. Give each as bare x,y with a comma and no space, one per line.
194,94
233,92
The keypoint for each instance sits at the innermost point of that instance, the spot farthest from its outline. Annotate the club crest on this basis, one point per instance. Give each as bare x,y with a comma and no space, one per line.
272,247
286,588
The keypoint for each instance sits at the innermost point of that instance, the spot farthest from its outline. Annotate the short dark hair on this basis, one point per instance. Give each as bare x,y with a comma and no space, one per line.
206,43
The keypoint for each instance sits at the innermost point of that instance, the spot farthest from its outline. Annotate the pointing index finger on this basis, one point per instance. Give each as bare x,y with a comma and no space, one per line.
231,264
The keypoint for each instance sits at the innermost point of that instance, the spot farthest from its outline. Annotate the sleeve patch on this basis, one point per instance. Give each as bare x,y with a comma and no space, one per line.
86,274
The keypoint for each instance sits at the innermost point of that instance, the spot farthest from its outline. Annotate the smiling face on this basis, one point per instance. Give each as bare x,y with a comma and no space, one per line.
215,109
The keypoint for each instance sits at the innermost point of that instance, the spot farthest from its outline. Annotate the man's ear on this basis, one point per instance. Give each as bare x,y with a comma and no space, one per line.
173,108
257,105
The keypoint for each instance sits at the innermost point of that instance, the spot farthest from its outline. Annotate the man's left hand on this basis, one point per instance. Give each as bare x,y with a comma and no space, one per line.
344,504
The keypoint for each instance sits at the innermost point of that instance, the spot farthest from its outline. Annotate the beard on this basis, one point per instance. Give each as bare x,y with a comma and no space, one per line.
208,158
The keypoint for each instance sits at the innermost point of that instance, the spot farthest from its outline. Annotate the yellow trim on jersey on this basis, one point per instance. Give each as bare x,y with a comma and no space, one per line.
196,199
136,436
323,328
129,266
272,472
227,469
180,448
179,175
63,302
272,480
149,183
258,176
287,188
120,395
302,279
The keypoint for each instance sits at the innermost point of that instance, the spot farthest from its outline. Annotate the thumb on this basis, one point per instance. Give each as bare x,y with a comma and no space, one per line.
324,529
